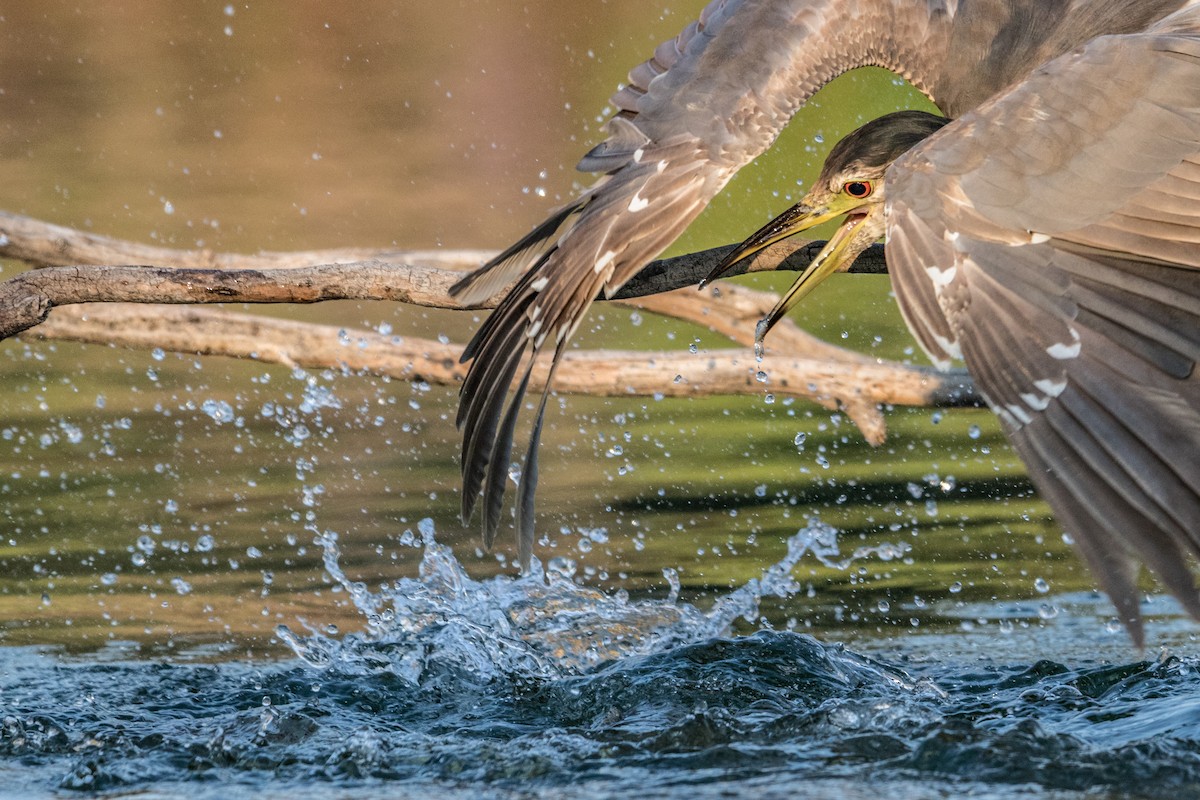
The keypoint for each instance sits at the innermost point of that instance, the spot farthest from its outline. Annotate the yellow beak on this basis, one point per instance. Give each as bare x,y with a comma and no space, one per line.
832,258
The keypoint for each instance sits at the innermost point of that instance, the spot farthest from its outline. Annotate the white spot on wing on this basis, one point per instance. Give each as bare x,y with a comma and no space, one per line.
1019,414
637,155
638,203
534,328
540,283
1038,238
660,167
605,260
1063,351
1035,401
1051,388
941,277
948,346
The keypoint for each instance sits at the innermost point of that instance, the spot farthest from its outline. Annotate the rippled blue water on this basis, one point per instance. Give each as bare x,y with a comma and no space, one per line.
540,688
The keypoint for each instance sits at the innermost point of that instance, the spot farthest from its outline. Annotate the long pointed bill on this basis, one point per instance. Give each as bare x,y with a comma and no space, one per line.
796,219
835,256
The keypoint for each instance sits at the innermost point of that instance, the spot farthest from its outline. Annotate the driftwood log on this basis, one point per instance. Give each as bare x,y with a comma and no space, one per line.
89,288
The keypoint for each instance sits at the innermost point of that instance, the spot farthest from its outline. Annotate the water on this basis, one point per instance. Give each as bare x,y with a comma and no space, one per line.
538,687
165,563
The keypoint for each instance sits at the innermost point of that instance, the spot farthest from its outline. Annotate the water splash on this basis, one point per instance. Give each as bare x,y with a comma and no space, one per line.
468,688
542,625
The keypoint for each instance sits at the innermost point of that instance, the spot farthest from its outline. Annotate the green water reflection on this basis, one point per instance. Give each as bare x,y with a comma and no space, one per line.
172,499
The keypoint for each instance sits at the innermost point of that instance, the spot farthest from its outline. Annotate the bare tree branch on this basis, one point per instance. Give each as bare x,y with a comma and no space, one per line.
614,373
794,254
79,267
85,279
42,244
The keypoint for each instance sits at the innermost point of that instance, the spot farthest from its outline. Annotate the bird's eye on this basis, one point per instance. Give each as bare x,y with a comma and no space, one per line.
859,189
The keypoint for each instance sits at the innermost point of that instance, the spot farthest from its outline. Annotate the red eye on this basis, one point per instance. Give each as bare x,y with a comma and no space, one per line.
859,189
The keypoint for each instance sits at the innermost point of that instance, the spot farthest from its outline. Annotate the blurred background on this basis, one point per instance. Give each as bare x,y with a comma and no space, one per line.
172,500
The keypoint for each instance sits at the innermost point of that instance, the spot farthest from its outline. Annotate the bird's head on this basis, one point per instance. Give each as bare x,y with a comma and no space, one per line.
851,184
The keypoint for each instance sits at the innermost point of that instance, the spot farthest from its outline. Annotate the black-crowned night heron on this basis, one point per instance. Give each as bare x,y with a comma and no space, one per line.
1050,235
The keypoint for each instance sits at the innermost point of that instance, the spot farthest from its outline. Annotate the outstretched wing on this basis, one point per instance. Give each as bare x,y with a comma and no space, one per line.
1051,239
690,117
599,250
710,101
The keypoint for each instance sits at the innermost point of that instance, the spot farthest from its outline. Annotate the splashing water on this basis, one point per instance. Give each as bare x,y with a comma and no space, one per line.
538,687
540,625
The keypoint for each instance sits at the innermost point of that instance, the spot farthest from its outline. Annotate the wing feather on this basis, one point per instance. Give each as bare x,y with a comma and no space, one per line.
1057,241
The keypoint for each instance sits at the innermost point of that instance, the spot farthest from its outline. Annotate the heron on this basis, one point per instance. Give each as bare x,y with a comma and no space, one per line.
1048,234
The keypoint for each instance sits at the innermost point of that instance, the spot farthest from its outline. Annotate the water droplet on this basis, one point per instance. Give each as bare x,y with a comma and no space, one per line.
1041,586
956,587
219,410
181,586
973,432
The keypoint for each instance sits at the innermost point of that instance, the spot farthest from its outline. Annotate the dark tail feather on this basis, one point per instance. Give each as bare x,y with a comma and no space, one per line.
482,397
497,473
529,473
